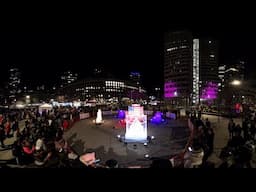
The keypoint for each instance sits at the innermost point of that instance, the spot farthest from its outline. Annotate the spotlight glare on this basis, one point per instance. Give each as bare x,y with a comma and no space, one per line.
146,156
152,137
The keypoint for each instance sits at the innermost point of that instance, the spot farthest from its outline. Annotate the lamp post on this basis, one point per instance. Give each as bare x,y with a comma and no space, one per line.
232,84
131,95
28,99
235,83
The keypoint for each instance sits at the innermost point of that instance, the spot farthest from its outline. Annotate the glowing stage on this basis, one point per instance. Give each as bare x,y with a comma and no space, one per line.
136,124
108,143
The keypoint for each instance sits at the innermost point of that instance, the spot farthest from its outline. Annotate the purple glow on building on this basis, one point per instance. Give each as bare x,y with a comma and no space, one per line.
210,91
170,90
157,118
121,114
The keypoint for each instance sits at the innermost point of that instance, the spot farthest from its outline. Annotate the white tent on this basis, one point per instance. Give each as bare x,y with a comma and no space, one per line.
45,107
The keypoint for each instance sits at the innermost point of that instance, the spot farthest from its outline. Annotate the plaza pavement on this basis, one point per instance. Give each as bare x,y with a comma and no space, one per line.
85,136
220,127
6,153
172,140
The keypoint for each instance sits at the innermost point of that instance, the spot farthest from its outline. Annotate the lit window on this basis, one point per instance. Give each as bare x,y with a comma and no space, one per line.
172,49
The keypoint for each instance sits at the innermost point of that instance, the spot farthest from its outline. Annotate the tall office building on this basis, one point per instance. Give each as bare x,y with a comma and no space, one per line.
135,77
208,67
209,58
221,75
14,82
196,72
190,66
68,77
178,63
235,71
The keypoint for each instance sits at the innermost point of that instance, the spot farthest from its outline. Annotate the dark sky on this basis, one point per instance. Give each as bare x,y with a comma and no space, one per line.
42,56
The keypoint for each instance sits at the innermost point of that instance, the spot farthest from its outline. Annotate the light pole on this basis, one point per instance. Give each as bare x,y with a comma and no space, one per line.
131,95
235,83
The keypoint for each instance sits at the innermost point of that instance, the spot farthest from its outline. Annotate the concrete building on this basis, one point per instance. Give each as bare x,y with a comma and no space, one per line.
14,82
68,77
178,65
190,65
102,89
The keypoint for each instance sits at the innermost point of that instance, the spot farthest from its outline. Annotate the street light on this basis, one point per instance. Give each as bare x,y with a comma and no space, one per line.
236,83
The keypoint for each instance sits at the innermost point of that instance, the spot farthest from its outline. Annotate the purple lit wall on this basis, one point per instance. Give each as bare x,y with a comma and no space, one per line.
157,118
210,91
170,90
121,114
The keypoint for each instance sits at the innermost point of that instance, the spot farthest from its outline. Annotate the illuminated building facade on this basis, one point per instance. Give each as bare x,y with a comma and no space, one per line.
178,64
235,71
14,82
209,66
196,67
102,89
135,77
221,75
68,77
189,64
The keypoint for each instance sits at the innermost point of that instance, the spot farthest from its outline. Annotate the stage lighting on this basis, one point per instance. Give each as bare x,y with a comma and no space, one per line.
145,144
152,137
146,156
118,136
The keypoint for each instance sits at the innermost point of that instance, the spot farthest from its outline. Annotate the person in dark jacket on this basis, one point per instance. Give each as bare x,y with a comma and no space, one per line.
207,123
17,152
2,136
231,127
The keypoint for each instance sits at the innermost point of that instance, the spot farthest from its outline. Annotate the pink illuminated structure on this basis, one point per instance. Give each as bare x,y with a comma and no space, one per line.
210,91
136,124
170,90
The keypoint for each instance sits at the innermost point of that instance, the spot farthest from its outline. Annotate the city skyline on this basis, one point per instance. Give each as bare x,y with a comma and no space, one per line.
117,52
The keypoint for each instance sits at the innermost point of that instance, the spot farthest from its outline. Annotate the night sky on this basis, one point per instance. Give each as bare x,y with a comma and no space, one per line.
42,56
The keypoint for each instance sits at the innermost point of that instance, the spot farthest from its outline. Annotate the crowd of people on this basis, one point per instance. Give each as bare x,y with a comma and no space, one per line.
200,144
41,141
241,144
238,152
9,123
